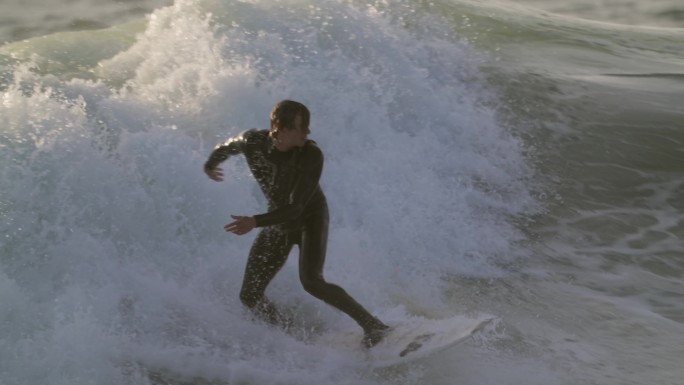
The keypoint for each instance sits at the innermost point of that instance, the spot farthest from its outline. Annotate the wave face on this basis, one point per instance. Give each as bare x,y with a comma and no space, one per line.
480,158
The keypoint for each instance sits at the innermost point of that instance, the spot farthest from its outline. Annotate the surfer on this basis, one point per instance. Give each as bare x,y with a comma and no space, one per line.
287,166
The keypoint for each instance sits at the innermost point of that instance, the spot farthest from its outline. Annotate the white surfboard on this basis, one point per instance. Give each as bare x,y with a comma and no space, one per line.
408,340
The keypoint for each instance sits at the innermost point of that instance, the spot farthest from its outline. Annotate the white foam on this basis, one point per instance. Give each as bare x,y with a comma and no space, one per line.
116,235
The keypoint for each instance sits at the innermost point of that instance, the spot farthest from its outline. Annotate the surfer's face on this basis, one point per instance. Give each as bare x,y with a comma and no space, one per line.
287,139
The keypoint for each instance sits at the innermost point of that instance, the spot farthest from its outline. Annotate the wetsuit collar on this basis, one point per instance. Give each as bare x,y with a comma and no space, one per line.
277,156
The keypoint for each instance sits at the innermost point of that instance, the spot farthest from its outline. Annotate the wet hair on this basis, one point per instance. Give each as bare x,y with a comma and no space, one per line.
285,112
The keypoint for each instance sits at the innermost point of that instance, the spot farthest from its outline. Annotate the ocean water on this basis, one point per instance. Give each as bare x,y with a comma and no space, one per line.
481,158
657,13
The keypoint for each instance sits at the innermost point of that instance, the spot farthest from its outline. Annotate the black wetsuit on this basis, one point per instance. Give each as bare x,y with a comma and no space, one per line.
297,214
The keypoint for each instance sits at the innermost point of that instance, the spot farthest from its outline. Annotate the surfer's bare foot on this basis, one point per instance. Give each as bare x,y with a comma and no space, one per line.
373,336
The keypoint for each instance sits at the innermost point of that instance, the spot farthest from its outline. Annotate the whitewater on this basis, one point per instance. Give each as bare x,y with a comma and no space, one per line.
481,158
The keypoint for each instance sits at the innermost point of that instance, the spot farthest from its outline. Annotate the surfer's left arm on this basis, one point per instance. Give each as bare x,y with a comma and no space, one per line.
303,190
240,225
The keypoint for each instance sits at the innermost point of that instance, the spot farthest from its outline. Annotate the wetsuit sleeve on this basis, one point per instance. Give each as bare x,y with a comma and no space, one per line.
230,147
302,191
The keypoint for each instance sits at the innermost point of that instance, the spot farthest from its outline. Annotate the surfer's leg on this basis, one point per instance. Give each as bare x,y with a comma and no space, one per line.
267,256
312,251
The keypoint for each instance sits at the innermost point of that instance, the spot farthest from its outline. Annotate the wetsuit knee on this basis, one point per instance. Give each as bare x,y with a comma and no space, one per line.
314,286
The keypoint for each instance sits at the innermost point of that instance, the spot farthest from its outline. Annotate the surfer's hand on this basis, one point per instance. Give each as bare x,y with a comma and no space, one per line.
241,225
214,173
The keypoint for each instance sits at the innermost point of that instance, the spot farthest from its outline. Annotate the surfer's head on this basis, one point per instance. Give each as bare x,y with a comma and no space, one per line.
284,113
289,124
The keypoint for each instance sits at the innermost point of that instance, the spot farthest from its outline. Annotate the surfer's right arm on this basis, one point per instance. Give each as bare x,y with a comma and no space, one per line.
223,151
